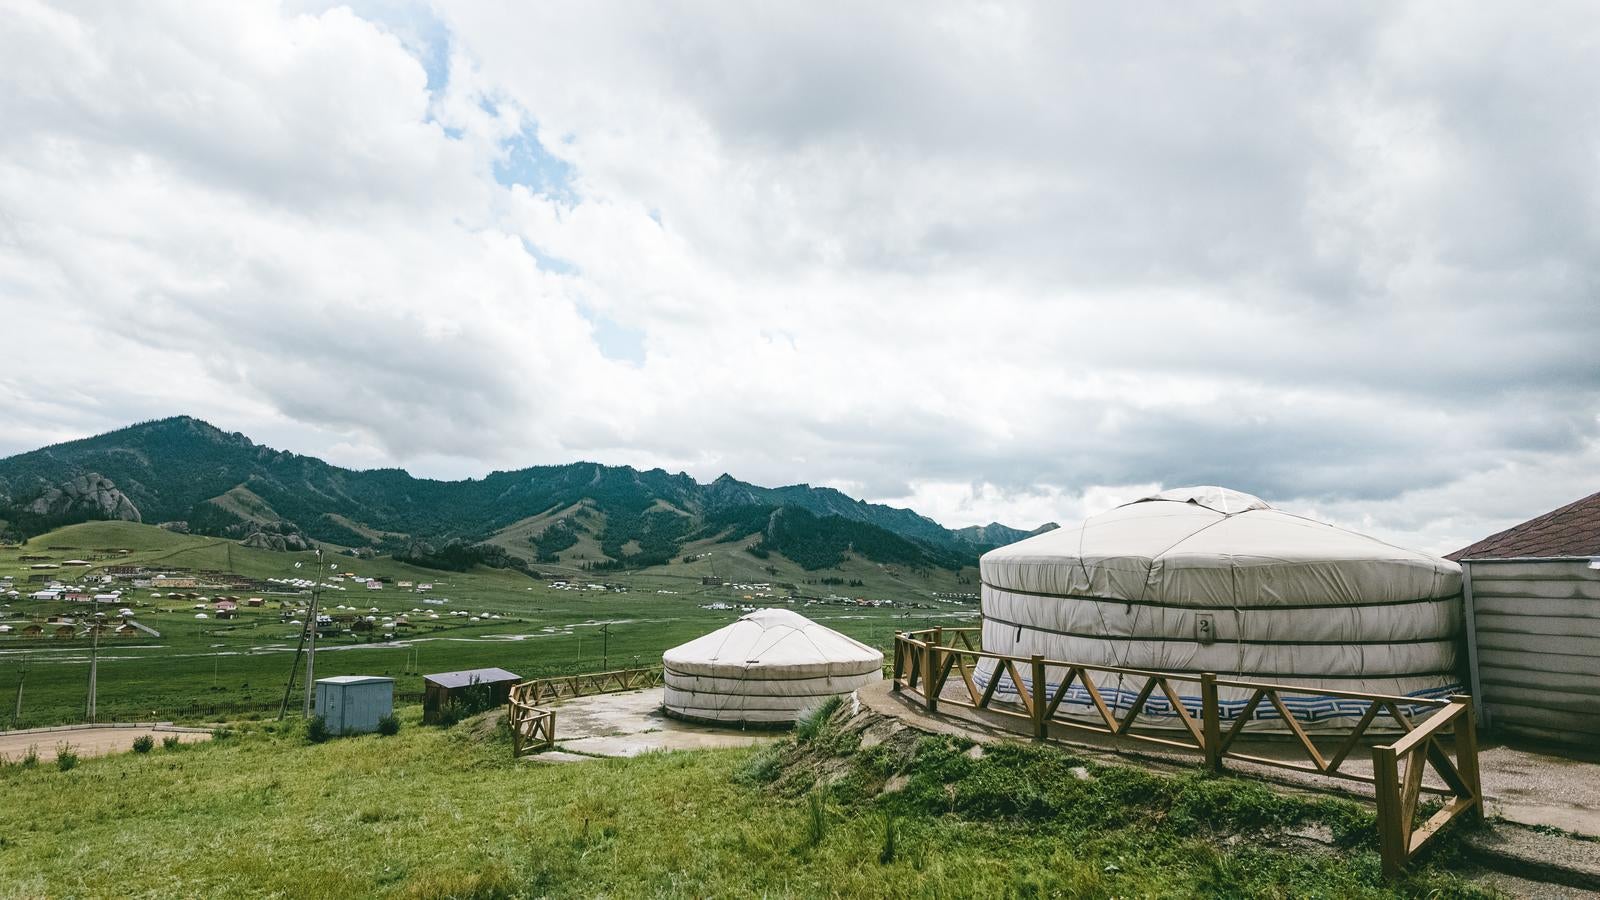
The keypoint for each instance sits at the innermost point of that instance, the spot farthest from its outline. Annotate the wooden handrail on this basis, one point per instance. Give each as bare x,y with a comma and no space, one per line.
1190,677
1427,731
923,662
557,687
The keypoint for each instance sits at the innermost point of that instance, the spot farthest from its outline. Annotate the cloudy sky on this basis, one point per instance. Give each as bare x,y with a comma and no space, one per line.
991,261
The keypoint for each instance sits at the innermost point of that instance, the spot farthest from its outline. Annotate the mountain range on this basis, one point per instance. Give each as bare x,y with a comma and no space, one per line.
189,475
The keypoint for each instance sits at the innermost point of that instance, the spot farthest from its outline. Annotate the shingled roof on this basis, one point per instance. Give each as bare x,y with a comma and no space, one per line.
1572,530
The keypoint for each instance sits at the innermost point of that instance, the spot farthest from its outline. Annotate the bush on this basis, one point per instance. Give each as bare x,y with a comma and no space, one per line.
30,759
66,760
317,730
389,725
466,703
171,742
144,743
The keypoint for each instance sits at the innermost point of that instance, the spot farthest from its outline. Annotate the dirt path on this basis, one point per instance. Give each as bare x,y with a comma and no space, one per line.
88,741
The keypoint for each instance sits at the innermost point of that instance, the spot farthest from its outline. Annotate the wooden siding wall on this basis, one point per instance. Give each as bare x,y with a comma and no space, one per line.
1537,630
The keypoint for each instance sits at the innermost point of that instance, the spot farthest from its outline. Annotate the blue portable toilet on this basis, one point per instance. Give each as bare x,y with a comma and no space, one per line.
353,704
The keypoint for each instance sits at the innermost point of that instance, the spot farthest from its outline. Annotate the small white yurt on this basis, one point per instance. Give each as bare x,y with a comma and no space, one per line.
768,668
1207,579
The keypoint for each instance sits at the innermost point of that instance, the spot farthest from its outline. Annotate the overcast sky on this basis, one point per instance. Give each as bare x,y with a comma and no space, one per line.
990,261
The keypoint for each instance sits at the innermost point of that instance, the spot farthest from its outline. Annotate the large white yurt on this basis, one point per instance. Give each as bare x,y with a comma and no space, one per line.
1207,579
767,668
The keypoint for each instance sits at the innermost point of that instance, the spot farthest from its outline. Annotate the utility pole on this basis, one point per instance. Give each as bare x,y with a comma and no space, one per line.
22,675
311,650
94,667
605,647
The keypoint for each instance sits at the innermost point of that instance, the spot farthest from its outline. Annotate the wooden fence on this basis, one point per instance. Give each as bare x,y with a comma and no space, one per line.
562,687
533,728
924,662
533,725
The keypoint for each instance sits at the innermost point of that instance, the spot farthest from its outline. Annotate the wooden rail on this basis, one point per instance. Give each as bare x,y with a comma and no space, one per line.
533,725
924,662
562,687
533,728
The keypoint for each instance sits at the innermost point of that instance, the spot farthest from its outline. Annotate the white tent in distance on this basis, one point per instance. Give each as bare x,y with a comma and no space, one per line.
768,668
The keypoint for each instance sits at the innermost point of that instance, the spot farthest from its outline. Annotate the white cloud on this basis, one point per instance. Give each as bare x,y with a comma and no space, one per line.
1010,261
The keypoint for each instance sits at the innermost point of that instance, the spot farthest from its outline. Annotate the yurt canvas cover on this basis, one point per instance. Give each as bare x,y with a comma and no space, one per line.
769,667
1212,580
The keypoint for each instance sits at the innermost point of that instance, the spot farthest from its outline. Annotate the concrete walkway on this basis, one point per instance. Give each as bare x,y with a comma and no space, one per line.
627,724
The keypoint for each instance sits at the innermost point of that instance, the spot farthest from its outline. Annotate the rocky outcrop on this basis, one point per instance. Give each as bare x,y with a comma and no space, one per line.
275,536
93,496
263,540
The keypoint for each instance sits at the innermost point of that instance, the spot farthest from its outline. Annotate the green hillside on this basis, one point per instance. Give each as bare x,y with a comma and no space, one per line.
199,670
182,470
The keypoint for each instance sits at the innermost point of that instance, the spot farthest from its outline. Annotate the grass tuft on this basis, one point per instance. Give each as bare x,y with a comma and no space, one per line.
144,743
489,883
816,820
66,757
890,839
812,724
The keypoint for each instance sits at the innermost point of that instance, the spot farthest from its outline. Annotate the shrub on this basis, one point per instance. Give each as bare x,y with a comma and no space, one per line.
317,730
466,703
171,742
66,759
389,725
31,758
144,743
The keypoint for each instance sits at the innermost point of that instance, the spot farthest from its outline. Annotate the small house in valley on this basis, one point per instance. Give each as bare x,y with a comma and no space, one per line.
441,690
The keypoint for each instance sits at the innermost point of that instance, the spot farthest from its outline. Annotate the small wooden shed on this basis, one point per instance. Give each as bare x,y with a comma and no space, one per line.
1532,596
444,688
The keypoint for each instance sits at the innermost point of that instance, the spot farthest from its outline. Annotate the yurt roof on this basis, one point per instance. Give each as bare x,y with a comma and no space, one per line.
771,642
1209,546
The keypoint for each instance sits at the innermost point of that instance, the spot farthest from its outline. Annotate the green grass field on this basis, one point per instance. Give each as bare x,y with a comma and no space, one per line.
447,813
438,812
209,670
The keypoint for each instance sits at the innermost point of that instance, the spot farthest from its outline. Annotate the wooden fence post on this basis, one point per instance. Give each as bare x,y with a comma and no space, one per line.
1467,753
899,661
1392,838
1211,721
1041,696
930,676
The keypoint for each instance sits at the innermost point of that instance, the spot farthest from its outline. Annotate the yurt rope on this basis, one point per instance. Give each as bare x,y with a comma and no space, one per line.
1144,590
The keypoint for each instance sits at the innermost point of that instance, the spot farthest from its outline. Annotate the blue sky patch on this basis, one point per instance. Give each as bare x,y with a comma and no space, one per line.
528,163
618,342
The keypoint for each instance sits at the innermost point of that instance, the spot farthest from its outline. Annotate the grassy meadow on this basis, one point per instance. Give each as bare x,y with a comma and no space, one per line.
446,813
204,670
